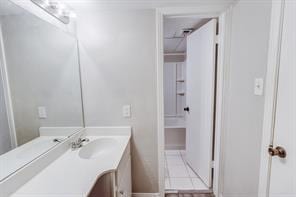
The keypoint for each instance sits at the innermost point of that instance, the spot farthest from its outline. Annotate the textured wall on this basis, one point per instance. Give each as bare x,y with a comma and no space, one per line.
118,58
249,48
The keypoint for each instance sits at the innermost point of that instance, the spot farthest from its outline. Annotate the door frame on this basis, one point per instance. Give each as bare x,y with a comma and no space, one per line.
271,89
7,93
224,15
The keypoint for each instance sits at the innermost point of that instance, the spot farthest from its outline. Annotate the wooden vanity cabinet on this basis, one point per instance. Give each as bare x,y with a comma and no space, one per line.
117,183
123,176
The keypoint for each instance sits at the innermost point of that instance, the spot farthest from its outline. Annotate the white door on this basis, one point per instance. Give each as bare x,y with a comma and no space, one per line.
283,170
200,99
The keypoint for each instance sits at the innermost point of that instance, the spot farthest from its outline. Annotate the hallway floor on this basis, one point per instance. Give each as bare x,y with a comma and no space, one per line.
179,176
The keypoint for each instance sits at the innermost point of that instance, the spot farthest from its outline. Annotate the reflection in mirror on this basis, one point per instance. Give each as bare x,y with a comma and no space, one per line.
40,93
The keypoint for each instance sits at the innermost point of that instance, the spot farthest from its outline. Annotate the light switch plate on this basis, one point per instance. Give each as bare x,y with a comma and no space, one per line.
258,86
126,111
42,112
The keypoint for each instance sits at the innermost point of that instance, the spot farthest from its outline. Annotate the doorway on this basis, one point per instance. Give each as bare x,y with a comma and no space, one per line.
190,53
223,15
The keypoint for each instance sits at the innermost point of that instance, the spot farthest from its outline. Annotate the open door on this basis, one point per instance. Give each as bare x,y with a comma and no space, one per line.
283,147
200,100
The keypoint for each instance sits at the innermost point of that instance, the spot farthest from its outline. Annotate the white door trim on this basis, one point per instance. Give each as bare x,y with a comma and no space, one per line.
277,16
221,98
224,17
7,93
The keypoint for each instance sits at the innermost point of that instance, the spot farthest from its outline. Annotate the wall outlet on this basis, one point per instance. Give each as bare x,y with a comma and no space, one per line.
126,111
258,86
42,112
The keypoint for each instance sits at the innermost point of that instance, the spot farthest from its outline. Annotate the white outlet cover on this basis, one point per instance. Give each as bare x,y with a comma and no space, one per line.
258,86
126,111
42,112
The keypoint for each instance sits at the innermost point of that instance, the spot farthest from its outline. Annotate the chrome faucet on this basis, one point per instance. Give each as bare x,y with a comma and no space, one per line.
58,140
79,143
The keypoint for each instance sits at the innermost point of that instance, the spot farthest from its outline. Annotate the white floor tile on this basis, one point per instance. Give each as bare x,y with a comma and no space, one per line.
198,184
184,157
179,176
191,173
172,152
178,171
183,152
166,171
181,183
174,160
167,183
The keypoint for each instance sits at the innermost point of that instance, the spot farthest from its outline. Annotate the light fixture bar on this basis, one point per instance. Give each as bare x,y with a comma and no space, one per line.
56,9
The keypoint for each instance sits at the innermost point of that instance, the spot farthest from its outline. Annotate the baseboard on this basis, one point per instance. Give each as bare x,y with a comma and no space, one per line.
145,195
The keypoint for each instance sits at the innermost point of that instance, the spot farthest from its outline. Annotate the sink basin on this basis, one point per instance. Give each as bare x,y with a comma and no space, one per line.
97,148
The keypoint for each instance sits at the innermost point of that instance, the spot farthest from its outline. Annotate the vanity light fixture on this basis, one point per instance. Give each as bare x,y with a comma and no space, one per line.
56,9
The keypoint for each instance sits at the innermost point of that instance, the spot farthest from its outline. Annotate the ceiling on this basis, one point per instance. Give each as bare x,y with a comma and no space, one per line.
174,39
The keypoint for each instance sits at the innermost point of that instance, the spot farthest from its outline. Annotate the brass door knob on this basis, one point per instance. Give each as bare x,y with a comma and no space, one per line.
277,151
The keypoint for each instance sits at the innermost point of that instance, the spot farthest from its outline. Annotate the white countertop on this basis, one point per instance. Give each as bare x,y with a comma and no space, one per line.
72,176
20,156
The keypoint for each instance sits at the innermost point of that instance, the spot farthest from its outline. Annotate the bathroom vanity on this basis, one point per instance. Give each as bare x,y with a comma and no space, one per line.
45,149
100,167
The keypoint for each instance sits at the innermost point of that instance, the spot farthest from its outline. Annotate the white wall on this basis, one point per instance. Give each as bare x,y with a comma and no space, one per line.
118,58
174,103
170,89
249,47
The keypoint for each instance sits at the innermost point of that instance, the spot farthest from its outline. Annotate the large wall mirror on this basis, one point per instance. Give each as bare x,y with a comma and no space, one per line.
40,91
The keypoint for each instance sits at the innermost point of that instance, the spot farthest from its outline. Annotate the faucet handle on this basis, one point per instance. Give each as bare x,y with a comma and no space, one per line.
73,145
78,143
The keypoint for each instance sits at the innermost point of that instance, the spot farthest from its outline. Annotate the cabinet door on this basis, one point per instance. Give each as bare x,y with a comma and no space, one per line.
103,187
125,184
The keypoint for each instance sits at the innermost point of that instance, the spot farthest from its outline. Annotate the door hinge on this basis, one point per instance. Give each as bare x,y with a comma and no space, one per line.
217,39
213,164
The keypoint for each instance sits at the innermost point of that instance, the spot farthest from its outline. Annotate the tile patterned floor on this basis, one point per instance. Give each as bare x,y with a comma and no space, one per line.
179,176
